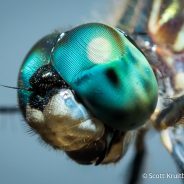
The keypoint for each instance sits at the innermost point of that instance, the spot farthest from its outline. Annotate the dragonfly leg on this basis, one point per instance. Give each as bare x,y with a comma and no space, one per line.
139,157
173,140
8,110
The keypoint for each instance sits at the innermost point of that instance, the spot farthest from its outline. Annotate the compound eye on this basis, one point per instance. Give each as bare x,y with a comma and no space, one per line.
109,73
38,56
85,47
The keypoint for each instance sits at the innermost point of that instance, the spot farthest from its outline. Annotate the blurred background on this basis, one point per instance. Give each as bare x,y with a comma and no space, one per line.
23,159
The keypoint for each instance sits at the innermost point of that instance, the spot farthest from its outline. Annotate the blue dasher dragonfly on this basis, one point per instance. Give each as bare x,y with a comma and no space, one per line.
144,42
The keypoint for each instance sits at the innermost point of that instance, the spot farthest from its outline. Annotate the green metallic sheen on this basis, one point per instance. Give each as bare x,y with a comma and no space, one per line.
39,55
111,76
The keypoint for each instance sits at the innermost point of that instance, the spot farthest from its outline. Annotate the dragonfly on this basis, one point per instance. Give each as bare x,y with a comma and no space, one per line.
165,56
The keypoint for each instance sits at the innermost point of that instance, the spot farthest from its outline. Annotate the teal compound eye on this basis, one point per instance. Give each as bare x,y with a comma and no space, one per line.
109,73
37,57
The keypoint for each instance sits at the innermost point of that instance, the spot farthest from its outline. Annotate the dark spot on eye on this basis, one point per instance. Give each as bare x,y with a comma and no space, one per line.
112,76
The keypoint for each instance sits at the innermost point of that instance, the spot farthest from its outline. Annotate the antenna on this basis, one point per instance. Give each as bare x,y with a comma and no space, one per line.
12,87
11,109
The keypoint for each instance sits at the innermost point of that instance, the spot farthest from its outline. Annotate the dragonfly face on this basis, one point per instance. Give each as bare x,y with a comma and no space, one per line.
96,149
75,91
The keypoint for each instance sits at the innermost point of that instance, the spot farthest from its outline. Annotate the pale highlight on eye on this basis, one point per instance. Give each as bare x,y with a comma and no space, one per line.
99,50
